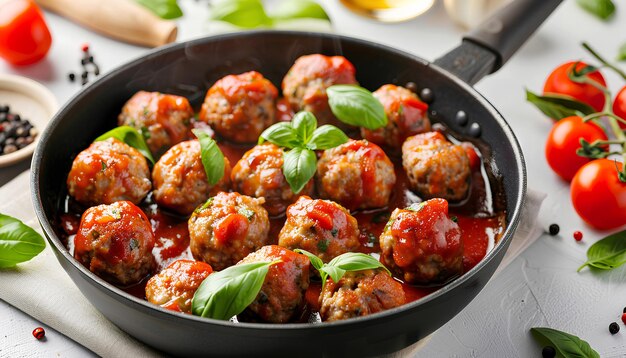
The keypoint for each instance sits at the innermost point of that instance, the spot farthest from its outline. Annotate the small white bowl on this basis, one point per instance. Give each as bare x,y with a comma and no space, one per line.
32,101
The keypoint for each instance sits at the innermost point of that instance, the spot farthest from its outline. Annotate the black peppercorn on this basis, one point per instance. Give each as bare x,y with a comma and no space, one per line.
71,76
624,311
554,229
4,109
548,352
613,327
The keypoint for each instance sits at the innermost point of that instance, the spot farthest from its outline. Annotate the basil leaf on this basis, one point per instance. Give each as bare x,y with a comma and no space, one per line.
130,136
315,261
326,137
565,344
165,9
621,56
608,253
304,124
242,13
18,242
558,106
212,157
293,9
601,8
282,134
299,166
336,273
227,293
356,106
356,261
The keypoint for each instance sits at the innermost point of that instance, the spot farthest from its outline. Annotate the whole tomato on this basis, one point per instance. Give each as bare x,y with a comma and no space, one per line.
619,106
563,141
598,195
24,36
559,82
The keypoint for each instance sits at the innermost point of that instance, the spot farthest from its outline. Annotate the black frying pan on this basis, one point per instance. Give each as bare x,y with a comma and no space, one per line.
190,68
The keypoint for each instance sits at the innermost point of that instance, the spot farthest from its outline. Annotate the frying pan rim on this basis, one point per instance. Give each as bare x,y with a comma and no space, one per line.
148,307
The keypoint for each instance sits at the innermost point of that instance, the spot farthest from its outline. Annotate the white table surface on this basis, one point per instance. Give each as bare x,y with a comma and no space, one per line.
540,288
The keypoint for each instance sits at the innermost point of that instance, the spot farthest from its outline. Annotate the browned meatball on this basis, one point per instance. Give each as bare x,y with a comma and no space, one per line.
174,287
227,228
422,244
360,293
115,242
259,173
406,116
163,119
436,168
357,175
240,107
109,171
305,84
179,179
282,293
322,227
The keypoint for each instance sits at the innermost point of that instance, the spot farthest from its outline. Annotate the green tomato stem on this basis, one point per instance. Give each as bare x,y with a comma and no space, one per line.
603,61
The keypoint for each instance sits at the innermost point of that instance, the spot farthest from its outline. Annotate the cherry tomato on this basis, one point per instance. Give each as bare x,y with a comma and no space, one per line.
563,141
598,195
24,36
619,106
559,82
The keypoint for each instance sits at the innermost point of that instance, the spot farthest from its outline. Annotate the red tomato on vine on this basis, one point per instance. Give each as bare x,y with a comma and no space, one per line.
598,195
563,141
558,82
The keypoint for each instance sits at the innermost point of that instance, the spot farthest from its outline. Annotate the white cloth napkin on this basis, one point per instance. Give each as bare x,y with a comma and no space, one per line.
42,289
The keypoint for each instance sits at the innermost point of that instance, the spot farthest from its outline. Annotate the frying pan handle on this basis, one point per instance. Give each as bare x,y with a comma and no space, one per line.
486,48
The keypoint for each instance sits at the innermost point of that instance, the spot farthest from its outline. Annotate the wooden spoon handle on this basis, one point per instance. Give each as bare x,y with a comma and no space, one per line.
121,19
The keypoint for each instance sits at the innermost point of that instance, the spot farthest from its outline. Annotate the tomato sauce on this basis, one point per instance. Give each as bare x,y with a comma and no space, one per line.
481,225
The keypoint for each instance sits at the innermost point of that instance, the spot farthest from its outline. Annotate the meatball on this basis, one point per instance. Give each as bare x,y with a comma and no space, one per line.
240,107
406,116
109,171
436,168
227,228
360,293
322,227
163,119
115,242
282,293
259,173
180,182
174,287
422,244
305,84
356,174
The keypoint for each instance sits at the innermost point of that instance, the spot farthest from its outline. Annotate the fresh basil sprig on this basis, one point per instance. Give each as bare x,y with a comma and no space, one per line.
18,242
558,106
608,253
337,267
227,293
212,157
356,106
600,8
565,344
296,9
251,13
241,13
165,9
302,136
130,136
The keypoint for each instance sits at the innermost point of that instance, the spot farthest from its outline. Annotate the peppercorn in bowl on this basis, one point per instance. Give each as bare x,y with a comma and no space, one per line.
25,109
